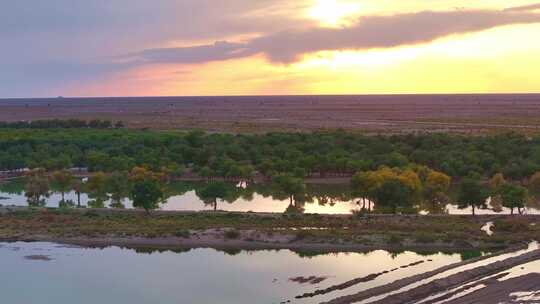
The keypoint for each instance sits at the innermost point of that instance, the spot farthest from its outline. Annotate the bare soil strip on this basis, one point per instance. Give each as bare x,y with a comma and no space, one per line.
396,285
410,296
466,289
500,292
354,282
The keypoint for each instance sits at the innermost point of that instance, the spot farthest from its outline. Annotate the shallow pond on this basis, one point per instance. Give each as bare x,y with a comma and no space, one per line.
182,196
45,272
324,199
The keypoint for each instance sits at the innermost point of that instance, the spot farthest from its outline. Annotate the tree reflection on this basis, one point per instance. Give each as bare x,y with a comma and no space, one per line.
111,192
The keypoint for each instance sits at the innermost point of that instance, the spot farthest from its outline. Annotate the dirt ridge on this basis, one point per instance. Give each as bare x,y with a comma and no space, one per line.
376,291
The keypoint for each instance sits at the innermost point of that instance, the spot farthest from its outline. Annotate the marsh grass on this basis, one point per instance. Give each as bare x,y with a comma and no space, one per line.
391,230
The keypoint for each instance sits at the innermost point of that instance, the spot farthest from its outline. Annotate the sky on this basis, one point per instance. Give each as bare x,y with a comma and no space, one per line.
267,47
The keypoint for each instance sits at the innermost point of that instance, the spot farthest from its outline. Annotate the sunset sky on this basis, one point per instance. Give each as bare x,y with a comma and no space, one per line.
252,47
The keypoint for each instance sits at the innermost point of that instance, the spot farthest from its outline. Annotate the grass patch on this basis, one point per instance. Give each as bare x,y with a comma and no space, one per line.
389,230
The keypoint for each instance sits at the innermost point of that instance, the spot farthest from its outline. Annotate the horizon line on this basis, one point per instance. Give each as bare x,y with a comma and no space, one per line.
264,95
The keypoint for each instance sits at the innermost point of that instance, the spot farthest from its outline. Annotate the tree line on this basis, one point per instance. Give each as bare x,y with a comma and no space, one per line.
143,187
386,190
405,191
64,124
114,187
318,154
288,158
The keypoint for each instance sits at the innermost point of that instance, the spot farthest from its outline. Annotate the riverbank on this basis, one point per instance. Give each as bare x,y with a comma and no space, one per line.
170,229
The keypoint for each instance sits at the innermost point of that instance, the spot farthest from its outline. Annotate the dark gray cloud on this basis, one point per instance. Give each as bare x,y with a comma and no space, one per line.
370,32
220,50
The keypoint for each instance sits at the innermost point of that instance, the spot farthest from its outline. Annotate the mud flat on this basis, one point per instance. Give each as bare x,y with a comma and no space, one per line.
478,284
135,228
524,289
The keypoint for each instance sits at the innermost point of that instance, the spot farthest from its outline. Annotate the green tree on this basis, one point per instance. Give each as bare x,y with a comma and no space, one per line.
364,185
146,194
290,186
173,171
96,187
37,187
247,173
392,195
472,193
119,187
513,197
63,179
534,183
78,186
213,191
98,161
206,173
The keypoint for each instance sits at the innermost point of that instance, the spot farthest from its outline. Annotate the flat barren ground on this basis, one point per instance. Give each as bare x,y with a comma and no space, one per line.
374,114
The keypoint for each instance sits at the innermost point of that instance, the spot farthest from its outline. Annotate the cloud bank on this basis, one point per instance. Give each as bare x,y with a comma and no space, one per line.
51,45
368,33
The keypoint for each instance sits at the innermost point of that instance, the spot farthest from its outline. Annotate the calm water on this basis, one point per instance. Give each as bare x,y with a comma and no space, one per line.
323,199
328,199
65,275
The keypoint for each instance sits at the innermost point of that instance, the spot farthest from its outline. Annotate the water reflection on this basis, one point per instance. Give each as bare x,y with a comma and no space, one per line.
187,196
116,275
330,199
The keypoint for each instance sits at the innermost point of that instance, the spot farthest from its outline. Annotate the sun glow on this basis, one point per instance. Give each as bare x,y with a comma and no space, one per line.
466,63
333,12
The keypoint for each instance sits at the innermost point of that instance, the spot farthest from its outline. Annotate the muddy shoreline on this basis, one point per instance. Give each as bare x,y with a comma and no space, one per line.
173,243
112,211
182,229
305,235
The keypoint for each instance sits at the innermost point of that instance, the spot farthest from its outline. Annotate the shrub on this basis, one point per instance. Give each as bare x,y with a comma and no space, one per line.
293,210
232,234
184,233
303,234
